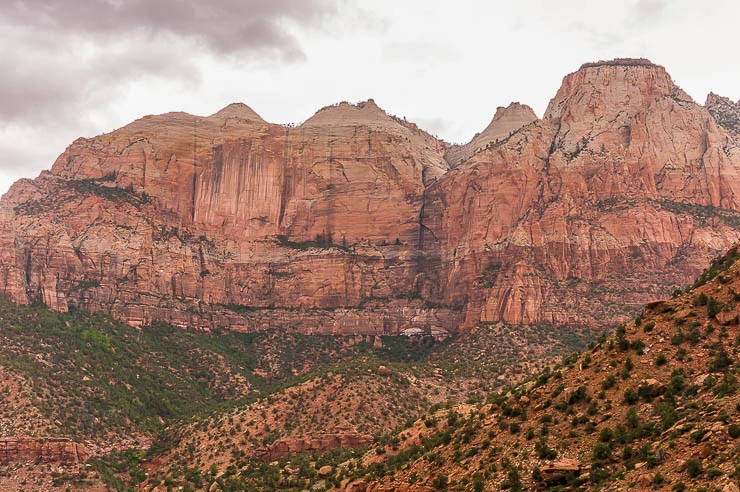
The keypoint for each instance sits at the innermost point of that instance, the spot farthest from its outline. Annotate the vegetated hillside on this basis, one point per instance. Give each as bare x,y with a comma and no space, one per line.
119,389
655,406
357,399
353,223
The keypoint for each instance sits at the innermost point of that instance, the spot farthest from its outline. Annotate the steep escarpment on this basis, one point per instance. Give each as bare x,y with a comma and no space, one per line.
358,222
623,192
230,221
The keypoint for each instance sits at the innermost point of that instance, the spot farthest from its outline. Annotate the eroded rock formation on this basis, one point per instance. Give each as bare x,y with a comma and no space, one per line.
43,450
355,223
321,444
230,221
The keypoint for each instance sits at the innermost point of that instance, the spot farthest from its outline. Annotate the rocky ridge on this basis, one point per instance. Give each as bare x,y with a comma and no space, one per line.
354,223
725,111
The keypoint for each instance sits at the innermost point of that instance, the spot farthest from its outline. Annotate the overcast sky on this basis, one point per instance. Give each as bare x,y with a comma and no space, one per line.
75,68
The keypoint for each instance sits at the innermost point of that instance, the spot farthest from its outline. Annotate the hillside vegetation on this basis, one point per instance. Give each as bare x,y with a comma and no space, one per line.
655,406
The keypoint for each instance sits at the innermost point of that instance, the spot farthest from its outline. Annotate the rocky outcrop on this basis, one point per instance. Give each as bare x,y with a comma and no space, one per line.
354,222
725,112
558,471
320,444
44,450
363,486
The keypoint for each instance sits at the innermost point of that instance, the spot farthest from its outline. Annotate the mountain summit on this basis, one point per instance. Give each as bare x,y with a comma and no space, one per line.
506,121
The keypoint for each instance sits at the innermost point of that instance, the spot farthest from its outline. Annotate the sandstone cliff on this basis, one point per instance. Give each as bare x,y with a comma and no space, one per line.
353,222
42,450
622,192
230,221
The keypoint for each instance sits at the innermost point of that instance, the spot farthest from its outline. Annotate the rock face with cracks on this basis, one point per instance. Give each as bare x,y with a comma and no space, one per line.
355,221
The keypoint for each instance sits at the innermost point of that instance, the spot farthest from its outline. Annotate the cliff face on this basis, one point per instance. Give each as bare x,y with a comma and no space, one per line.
353,222
230,221
622,192
42,450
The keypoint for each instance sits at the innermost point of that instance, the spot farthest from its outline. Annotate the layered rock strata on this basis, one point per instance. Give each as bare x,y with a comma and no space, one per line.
320,444
43,450
231,221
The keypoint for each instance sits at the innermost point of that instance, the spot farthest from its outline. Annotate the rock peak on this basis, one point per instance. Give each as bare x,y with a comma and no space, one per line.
347,114
606,88
514,110
238,110
715,99
506,121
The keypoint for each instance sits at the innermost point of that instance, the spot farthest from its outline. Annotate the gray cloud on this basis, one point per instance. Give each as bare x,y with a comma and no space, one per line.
65,59
47,86
223,26
61,54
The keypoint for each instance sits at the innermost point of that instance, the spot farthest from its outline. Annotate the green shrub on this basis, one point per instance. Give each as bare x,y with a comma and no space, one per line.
678,338
701,300
630,396
440,482
720,363
694,468
734,431
608,382
713,307
606,435
714,472
633,422
602,451
597,474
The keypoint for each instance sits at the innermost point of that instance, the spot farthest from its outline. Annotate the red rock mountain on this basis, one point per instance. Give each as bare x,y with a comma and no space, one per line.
355,221
504,123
